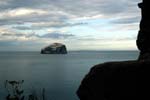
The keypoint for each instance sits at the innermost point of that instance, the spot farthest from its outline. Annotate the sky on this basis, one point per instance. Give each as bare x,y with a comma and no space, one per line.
29,25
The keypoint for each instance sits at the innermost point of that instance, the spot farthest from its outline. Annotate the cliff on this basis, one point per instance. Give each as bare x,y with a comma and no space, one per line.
126,80
55,48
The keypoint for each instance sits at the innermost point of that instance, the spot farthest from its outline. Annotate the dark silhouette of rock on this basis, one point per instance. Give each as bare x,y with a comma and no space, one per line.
143,39
127,80
55,48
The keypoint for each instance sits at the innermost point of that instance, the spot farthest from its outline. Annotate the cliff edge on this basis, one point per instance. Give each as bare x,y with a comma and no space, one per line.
127,80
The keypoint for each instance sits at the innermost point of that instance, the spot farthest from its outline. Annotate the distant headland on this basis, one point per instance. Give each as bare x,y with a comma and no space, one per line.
55,48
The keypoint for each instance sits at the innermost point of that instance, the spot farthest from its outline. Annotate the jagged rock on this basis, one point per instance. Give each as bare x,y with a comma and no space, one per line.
143,39
128,80
55,48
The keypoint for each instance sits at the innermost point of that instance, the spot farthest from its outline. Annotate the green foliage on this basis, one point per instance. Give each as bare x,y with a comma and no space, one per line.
15,92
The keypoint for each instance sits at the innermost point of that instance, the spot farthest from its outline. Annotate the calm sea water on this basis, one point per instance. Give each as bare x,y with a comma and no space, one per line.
60,75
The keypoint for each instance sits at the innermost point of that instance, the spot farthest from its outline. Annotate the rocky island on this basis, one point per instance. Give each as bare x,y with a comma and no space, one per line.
55,48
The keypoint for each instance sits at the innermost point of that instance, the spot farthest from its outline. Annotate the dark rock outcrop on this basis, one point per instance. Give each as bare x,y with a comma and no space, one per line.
55,48
127,80
143,39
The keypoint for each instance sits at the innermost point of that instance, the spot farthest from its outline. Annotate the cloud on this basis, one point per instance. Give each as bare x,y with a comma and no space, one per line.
25,11
16,45
9,34
75,43
53,35
56,35
43,25
130,20
7,43
21,12
106,39
22,28
56,25
20,17
12,4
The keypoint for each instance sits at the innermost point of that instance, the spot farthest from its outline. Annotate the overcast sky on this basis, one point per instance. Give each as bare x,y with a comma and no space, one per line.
29,25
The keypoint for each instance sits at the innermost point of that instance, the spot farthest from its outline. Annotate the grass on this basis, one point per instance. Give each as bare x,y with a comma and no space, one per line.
15,92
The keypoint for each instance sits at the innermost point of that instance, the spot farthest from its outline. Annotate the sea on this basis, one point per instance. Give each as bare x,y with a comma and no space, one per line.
58,74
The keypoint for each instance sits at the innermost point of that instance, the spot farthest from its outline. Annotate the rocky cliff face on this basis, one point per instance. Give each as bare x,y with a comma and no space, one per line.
127,80
143,38
55,48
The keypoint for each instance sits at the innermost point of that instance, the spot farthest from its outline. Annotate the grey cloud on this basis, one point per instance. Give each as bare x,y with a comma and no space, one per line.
45,25
94,7
56,35
56,25
67,25
15,45
130,20
12,4
63,11
90,38
7,43
22,28
76,8
47,35
16,34
29,19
